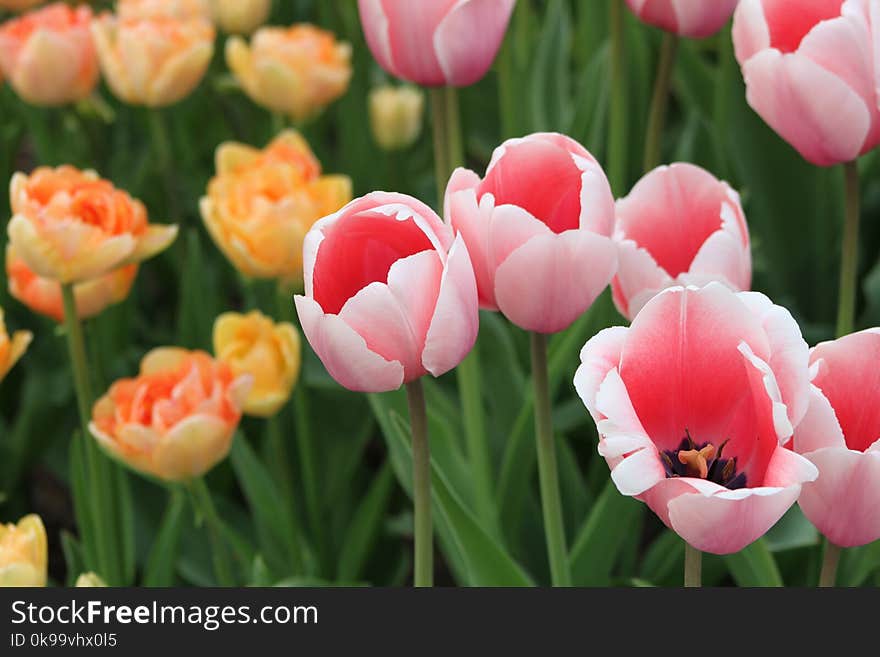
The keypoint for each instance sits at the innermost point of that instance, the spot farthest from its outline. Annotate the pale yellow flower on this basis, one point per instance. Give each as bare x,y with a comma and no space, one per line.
396,116
11,349
24,557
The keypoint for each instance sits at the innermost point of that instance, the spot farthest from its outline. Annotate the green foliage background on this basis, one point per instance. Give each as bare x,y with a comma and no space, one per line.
347,518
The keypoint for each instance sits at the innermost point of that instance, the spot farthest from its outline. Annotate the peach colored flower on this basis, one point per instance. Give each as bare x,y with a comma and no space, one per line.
154,62
261,204
253,344
180,9
176,419
296,71
72,226
24,554
11,348
240,16
43,295
48,55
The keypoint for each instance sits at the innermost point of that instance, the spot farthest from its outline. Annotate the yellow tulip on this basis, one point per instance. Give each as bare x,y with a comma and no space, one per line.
176,419
72,226
253,344
11,349
240,16
261,204
295,71
154,62
89,580
24,553
396,116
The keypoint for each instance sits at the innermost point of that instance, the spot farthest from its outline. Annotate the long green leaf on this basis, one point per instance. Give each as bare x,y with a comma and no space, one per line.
361,535
754,566
159,570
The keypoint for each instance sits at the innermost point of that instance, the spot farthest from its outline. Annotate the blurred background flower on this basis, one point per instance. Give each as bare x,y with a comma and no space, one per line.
396,116
295,71
183,10
48,56
685,18
20,5
261,204
240,16
23,553
11,347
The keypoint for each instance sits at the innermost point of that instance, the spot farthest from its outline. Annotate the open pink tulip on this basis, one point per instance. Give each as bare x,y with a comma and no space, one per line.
810,73
389,294
679,226
538,228
692,403
688,18
841,436
435,42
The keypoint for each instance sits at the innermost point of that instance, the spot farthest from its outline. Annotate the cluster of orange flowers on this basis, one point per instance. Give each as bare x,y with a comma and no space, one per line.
156,52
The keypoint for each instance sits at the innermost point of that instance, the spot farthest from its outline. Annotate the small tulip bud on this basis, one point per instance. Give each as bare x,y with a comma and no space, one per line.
396,116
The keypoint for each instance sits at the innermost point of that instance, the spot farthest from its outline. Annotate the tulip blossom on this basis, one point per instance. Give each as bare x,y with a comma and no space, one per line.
435,42
389,294
48,56
153,62
176,419
695,19
180,9
24,553
692,404
295,71
261,204
11,348
810,73
240,16
89,580
538,228
679,226
253,344
396,115
841,436
73,226
43,295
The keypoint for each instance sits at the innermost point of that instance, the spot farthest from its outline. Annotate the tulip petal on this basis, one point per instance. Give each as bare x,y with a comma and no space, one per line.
820,115
819,428
375,24
468,38
844,502
345,353
547,283
473,221
454,325
194,446
154,241
598,356
639,278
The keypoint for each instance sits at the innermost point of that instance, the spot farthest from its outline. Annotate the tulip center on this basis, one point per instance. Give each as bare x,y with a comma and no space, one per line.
702,461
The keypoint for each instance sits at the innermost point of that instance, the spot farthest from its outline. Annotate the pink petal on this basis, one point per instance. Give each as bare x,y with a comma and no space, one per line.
411,29
790,23
844,502
682,366
599,356
703,19
455,322
468,38
750,31
620,419
639,278
551,280
812,109
345,353
819,428
375,24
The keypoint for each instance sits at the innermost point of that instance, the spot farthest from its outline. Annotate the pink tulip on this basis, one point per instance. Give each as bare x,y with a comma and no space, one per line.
692,403
435,42
841,436
810,73
389,294
688,18
679,226
538,229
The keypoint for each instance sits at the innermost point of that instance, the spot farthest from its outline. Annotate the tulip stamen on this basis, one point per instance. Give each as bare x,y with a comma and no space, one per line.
703,461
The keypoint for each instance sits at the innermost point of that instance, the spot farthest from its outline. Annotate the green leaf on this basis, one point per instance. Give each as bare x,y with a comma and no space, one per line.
73,557
754,566
858,564
362,533
80,490
160,567
598,543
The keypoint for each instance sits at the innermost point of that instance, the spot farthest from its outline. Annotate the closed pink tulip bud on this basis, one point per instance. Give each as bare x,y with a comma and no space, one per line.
679,226
435,42
538,229
389,294
48,55
692,403
841,436
810,74
688,18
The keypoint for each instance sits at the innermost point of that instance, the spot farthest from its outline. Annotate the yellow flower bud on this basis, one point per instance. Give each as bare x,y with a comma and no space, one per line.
396,116
11,349
89,580
253,344
261,204
240,16
296,71
23,553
